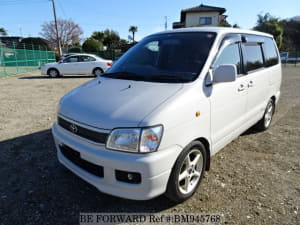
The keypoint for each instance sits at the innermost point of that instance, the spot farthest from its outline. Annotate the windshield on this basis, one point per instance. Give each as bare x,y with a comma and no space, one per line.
172,58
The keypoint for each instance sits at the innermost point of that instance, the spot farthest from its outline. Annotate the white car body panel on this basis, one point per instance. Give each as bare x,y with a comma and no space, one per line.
104,104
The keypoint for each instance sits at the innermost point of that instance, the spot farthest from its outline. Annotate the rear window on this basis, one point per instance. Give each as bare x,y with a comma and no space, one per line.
270,52
253,57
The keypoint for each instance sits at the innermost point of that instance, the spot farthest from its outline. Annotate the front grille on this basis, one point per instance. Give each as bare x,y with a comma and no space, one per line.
83,132
75,158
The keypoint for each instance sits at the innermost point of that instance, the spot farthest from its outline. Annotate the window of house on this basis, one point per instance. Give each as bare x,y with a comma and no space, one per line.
229,55
205,20
270,52
252,55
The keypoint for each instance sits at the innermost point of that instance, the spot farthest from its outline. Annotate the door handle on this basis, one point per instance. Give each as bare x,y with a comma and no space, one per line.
250,84
241,87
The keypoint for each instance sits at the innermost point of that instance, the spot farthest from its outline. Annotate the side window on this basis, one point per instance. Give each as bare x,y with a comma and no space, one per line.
86,58
229,55
252,55
91,58
71,59
270,53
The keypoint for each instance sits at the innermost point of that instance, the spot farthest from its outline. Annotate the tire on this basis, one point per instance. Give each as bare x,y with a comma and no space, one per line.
265,121
187,172
97,71
53,73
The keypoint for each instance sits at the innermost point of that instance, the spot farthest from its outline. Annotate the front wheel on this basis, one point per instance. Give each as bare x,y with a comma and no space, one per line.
187,172
53,73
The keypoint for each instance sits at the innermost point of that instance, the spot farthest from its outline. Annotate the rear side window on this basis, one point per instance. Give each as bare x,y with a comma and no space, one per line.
86,58
229,55
252,55
270,52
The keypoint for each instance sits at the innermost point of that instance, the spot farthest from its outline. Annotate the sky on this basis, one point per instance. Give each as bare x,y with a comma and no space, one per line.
24,17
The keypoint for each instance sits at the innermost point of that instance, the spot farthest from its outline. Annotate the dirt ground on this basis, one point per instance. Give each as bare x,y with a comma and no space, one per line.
254,180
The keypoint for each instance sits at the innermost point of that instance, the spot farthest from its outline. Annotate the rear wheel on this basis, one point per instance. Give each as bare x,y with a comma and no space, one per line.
265,122
97,71
187,172
53,73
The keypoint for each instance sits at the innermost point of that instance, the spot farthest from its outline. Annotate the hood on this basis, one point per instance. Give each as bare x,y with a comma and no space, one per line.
109,103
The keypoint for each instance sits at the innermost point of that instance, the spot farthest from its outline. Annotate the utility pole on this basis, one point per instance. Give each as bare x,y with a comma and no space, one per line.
57,37
166,22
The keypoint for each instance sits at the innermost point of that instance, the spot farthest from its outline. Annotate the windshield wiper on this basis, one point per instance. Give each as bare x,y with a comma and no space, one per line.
124,75
171,78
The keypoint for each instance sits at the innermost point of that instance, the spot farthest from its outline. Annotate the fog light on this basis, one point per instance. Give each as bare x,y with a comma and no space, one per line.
128,177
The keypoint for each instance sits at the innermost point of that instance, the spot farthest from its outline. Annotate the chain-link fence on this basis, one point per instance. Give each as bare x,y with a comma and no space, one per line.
21,58
290,57
108,54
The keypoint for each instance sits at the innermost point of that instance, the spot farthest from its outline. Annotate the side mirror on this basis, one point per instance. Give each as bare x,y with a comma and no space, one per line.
225,73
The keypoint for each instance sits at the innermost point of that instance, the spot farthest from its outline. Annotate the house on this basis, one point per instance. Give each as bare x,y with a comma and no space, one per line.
10,41
202,15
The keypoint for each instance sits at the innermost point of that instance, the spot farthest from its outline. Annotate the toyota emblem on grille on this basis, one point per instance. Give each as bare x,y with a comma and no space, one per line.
73,128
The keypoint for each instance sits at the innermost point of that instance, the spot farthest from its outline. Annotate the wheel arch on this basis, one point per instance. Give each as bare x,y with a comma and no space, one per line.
53,68
207,147
274,100
206,144
97,67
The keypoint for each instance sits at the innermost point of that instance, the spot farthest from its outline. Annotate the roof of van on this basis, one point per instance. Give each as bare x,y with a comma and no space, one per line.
219,30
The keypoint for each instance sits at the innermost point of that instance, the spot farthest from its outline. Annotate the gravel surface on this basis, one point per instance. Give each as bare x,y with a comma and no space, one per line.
253,180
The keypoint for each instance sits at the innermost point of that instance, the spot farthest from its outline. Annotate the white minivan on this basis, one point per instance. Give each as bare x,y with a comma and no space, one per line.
151,124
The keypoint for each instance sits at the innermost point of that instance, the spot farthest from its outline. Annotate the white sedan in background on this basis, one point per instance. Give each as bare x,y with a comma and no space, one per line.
77,64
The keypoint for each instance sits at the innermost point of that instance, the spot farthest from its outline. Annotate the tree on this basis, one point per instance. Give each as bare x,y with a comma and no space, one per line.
98,35
269,24
68,31
235,25
291,35
133,30
224,23
92,45
3,31
111,39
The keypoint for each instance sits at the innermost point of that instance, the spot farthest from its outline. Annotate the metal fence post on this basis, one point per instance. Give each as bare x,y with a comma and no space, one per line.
16,58
2,64
34,58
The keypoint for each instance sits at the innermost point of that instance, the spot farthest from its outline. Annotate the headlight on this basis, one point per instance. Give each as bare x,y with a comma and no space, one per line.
135,139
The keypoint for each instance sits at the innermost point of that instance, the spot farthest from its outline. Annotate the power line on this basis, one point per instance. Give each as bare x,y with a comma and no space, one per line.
166,23
61,8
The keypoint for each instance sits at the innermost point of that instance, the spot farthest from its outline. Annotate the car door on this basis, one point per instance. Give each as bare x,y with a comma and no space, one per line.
86,64
69,65
257,80
228,99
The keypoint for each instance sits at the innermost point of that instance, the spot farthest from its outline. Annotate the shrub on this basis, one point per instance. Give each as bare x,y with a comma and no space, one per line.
92,45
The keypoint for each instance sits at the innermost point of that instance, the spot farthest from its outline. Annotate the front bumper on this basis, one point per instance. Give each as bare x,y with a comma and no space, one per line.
155,168
43,70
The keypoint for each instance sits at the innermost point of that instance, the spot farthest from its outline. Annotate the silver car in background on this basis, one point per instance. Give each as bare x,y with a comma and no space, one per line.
77,64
